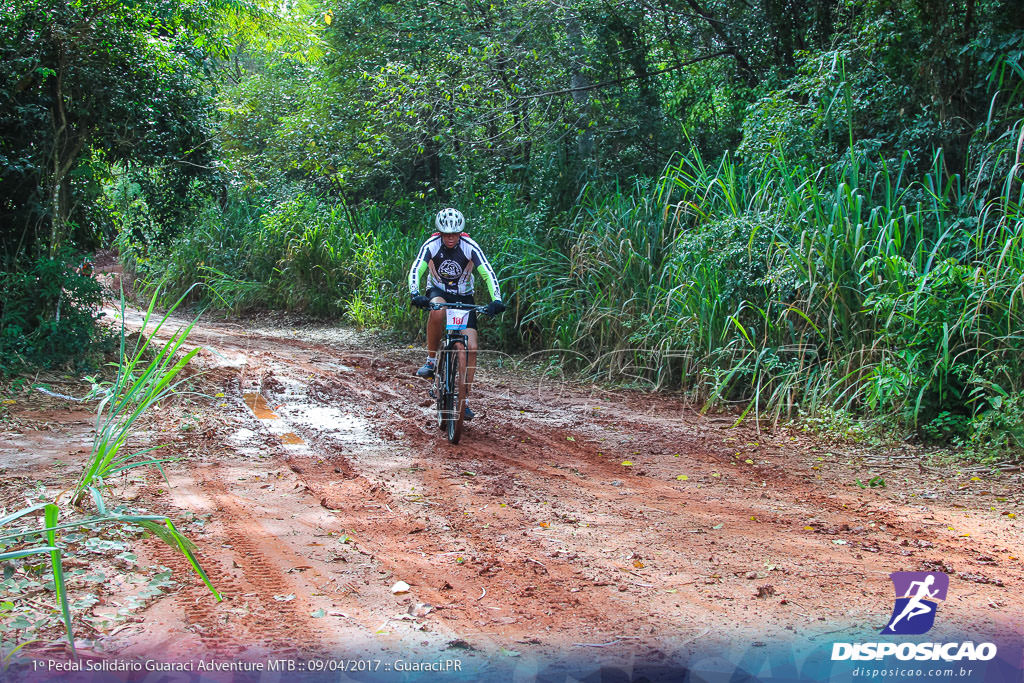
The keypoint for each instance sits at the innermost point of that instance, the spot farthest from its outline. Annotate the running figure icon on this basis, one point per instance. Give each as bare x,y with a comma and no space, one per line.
917,597
916,606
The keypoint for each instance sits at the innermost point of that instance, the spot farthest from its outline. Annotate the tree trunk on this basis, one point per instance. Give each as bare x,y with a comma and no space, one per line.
60,125
67,143
579,84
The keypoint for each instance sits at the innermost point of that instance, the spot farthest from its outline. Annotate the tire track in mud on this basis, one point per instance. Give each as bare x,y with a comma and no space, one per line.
276,623
248,579
315,463
202,613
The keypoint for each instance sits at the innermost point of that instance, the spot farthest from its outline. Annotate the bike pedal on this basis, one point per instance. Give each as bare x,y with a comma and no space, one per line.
433,394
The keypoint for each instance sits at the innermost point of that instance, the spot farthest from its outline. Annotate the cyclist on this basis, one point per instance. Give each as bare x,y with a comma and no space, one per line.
448,258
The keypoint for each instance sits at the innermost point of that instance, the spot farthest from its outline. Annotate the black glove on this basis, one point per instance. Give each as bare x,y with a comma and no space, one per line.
494,308
420,301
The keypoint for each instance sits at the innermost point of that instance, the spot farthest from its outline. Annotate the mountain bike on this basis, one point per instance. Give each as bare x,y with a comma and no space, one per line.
449,390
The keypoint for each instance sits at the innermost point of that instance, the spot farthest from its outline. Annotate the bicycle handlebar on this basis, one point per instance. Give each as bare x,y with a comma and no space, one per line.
462,307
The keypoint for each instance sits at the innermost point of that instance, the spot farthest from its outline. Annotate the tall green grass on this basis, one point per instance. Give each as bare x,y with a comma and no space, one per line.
881,291
139,385
780,287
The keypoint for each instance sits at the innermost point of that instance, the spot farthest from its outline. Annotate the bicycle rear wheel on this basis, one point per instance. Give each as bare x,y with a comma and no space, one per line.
457,403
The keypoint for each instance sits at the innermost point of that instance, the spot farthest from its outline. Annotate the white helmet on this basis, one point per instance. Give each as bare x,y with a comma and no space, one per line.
450,220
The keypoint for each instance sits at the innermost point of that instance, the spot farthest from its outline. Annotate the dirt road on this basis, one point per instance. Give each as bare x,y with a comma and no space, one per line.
570,520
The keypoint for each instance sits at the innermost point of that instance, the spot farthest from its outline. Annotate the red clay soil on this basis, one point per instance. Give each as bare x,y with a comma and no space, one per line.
570,518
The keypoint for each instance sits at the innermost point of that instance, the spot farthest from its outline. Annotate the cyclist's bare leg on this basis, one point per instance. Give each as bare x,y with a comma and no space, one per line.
470,358
435,325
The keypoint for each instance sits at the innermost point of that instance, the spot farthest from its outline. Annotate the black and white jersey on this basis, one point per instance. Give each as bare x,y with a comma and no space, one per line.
451,270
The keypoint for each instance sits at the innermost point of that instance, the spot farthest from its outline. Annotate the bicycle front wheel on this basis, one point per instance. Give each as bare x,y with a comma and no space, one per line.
457,383
441,390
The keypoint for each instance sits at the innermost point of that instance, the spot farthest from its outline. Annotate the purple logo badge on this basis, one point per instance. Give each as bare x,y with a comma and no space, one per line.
917,596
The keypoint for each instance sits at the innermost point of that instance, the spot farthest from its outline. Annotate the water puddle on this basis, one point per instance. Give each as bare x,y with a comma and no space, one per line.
341,426
258,405
337,367
272,422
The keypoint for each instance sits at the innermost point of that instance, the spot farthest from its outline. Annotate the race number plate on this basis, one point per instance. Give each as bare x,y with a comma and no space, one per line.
457,320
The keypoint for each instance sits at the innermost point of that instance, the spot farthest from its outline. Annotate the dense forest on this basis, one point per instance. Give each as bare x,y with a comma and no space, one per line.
790,207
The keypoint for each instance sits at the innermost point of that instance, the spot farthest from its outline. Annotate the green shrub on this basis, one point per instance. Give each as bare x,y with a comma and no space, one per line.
997,433
48,314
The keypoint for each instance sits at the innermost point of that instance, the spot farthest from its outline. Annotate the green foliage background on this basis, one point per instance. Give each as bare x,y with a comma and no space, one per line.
786,207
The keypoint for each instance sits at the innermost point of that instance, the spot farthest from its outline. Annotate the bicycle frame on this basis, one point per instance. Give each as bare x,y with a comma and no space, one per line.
450,388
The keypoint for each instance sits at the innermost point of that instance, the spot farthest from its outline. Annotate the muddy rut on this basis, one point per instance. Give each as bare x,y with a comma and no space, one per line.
569,519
